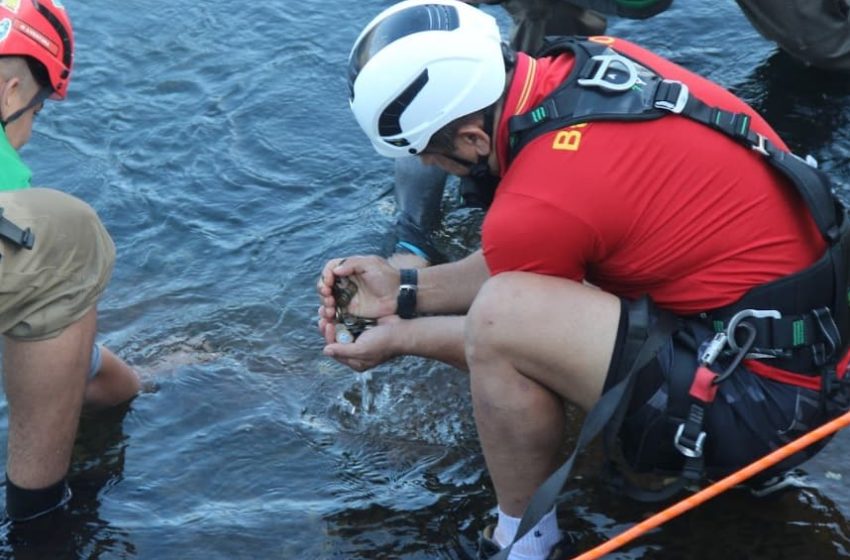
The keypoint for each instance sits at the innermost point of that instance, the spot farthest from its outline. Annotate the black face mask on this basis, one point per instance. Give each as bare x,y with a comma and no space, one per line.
480,188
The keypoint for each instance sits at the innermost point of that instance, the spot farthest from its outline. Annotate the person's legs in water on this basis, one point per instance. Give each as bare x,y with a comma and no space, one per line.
48,319
45,382
112,382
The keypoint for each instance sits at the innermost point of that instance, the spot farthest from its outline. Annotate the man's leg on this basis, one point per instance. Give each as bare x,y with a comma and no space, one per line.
532,342
114,381
47,314
45,382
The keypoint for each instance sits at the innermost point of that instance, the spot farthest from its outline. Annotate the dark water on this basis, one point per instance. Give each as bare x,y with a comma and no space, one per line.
215,141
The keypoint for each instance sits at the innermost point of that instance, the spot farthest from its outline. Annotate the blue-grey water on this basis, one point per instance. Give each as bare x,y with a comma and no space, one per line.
215,142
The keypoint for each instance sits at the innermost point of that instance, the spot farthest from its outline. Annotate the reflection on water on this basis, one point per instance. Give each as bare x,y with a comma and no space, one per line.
217,146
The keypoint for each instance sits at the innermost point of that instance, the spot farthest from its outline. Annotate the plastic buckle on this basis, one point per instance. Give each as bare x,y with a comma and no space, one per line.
27,239
681,98
761,147
694,452
611,62
811,161
743,314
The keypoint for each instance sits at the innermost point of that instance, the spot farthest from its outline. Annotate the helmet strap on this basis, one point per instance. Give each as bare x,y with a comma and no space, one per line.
39,97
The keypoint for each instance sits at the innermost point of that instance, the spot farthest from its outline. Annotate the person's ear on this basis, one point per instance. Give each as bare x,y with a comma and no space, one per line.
473,135
8,92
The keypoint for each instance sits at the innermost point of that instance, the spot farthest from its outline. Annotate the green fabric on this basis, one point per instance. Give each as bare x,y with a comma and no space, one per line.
14,173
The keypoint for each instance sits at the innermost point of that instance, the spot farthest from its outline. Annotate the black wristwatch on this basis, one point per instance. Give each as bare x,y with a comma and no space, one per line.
406,299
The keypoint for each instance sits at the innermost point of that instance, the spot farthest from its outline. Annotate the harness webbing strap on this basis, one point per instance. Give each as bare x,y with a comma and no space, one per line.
10,232
546,496
811,185
811,324
609,86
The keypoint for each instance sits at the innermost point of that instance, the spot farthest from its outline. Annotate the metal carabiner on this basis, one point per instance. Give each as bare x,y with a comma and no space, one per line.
743,314
615,63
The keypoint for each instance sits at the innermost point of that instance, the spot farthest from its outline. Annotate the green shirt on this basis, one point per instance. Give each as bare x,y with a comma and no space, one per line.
14,173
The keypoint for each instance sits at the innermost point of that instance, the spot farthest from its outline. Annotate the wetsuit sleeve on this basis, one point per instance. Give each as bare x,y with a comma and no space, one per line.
522,233
419,195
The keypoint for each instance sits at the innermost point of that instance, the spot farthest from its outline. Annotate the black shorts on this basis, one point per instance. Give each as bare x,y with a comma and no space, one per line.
750,416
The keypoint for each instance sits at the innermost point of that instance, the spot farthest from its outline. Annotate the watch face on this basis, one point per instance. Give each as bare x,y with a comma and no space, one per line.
406,301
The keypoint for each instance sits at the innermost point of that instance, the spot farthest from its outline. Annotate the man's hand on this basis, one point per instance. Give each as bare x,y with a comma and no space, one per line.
377,288
374,347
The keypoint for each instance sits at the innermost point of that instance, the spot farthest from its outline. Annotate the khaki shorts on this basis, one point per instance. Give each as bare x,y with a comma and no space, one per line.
45,289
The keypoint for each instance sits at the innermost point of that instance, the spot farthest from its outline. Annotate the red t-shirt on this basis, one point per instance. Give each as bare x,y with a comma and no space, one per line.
668,208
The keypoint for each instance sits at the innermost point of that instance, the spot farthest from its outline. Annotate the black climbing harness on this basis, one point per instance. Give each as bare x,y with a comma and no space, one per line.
800,322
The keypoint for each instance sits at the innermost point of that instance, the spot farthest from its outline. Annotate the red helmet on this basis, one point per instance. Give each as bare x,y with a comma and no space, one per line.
39,29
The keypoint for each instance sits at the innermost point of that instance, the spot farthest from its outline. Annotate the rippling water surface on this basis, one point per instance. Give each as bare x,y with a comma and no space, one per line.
214,140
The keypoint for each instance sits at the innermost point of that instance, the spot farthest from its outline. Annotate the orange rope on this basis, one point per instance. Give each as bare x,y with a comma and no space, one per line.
720,486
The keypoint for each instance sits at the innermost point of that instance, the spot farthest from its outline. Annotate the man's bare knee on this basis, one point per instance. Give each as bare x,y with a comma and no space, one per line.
488,320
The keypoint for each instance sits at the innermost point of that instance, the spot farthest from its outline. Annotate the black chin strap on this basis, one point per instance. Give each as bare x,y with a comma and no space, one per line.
480,170
39,97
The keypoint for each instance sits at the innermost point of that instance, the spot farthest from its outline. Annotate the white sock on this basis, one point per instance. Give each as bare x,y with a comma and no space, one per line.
535,544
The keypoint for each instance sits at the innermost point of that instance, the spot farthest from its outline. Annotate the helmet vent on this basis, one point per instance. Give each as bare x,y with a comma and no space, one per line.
389,123
64,36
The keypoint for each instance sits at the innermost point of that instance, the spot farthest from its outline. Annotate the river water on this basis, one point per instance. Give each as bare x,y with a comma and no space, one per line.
215,141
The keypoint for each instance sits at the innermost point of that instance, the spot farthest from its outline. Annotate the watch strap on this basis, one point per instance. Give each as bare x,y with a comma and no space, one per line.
406,300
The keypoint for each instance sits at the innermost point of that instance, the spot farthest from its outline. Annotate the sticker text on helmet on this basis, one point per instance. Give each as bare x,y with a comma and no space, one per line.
37,36
11,5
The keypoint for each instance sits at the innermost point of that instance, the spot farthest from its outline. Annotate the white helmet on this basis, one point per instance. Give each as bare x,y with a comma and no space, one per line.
420,65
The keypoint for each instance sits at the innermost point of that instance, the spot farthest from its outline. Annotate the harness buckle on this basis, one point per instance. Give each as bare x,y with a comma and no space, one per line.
682,94
713,349
616,64
761,146
693,449
811,161
744,314
21,237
